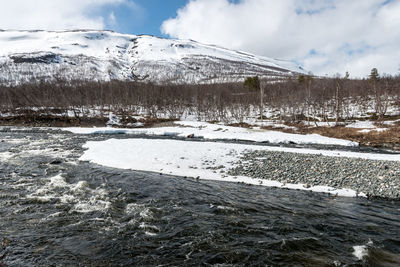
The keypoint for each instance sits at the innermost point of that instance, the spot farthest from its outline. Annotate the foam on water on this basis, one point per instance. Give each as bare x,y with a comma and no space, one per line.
141,215
138,209
220,207
150,230
5,156
80,195
150,233
361,251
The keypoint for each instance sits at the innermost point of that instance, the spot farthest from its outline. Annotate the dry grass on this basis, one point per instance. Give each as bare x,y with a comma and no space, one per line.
387,139
157,122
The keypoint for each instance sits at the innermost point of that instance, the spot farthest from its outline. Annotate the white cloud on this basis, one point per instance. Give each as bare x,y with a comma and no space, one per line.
112,19
56,14
326,36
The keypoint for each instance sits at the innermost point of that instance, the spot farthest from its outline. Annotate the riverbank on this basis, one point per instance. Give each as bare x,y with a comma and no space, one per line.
268,158
381,135
374,178
335,172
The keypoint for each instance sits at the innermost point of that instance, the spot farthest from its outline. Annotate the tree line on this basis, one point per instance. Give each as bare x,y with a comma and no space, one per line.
334,99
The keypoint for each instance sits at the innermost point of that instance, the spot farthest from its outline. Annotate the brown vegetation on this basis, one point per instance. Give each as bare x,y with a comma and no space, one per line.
389,138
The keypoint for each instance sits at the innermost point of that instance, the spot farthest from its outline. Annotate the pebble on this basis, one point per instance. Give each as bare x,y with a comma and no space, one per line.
371,177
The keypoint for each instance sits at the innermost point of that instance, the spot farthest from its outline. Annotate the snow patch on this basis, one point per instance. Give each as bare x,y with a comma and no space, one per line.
373,130
202,160
362,125
216,131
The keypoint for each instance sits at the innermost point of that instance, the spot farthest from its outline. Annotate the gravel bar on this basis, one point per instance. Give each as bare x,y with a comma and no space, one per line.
371,177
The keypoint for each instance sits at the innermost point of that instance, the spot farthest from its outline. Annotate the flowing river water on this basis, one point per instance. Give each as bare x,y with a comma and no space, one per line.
58,211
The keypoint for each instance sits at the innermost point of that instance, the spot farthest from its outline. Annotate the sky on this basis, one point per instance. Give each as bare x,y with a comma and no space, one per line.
326,37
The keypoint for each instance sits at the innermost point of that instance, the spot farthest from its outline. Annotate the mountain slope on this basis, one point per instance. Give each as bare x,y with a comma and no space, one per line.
31,56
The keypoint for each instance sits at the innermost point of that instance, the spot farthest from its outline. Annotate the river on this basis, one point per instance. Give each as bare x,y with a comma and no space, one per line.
58,211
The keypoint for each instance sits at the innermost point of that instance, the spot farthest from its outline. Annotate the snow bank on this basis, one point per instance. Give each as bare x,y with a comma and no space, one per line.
373,130
215,131
362,125
367,126
203,160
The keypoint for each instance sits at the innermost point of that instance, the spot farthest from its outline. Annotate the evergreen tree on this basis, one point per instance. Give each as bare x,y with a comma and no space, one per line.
301,79
253,83
374,76
374,79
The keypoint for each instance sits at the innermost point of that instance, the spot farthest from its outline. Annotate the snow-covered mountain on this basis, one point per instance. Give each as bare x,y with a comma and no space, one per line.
29,56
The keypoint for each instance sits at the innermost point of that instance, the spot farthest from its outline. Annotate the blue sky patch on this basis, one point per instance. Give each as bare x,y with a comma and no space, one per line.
145,18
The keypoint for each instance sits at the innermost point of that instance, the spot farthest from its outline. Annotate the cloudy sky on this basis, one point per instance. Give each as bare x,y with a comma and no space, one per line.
324,36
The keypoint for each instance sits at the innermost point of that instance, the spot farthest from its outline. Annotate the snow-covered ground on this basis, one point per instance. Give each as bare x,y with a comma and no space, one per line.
203,160
216,131
368,126
362,125
372,130
207,160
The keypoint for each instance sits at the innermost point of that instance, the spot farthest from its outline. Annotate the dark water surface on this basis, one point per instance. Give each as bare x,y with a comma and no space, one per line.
57,211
